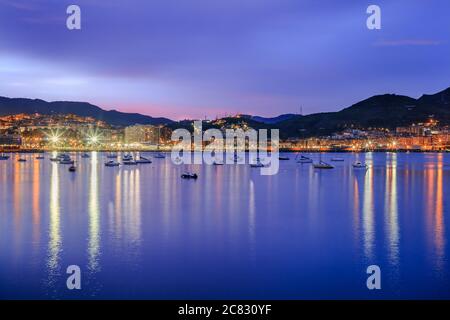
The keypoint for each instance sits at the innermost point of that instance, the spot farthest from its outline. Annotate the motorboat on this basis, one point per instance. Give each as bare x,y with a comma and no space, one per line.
188,175
111,155
65,159
85,155
4,157
72,168
323,165
22,160
112,163
283,158
359,165
127,157
40,157
304,159
128,160
217,163
142,160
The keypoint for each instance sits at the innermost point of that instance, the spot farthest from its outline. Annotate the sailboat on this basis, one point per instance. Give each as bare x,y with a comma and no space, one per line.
322,164
304,159
258,164
142,159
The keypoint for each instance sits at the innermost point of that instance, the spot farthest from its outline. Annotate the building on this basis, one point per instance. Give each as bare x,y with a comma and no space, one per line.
142,134
10,140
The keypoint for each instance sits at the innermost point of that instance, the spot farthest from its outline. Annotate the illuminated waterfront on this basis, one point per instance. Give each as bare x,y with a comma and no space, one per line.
143,232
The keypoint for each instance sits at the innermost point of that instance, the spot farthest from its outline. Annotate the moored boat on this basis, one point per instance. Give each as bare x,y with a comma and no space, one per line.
359,165
112,163
304,159
257,164
65,159
323,165
188,175
142,160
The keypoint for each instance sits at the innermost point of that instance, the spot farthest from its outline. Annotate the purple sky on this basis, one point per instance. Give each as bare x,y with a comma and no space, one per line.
197,58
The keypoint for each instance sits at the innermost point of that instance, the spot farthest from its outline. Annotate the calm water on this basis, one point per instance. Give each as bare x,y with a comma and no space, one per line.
142,232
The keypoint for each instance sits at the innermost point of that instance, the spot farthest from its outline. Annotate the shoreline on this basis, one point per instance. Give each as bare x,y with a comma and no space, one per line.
246,151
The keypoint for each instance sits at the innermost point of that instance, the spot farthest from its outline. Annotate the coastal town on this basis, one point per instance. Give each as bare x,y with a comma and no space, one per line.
37,132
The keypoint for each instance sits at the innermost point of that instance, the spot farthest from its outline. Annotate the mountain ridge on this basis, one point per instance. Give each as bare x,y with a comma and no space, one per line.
29,106
379,111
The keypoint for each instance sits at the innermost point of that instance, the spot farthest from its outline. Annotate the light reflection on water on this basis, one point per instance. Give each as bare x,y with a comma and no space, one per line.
142,232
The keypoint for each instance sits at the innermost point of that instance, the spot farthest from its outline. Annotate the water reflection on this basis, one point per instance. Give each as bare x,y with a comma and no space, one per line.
251,214
202,238
439,237
391,210
94,217
55,241
368,212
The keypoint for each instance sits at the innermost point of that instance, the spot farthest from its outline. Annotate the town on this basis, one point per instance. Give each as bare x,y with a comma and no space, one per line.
37,132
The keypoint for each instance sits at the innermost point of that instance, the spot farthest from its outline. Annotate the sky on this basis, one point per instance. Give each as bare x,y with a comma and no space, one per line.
210,58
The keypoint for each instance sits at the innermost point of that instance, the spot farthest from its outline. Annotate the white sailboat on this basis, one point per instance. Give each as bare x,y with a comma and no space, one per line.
322,164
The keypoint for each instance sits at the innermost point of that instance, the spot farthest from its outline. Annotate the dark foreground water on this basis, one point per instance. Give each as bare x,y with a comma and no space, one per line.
142,232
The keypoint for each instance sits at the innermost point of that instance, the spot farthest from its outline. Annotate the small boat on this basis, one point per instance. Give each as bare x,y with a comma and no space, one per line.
127,157
159,156
85,155
143,160
66,160
188,175
111,155
59,157
337,159
304,159
258,164
359,165
283,158
22,160
4,157
323,165
72,168
128,160
112,163
40,158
